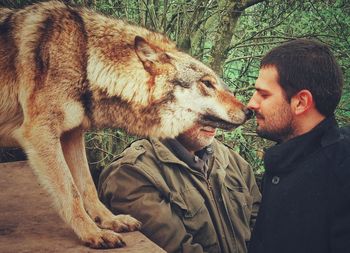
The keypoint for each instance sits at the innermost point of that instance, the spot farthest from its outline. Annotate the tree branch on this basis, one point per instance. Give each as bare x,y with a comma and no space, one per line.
243,57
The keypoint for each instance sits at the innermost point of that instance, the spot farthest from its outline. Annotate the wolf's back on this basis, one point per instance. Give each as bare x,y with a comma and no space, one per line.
8,54
4,13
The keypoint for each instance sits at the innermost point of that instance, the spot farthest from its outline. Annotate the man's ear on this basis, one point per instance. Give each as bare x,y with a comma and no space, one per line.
302,102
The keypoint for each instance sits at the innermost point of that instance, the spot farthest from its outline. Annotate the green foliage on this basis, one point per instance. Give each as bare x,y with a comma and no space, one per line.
103,146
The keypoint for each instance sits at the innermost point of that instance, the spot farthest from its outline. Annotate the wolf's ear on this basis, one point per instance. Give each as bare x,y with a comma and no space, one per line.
145,51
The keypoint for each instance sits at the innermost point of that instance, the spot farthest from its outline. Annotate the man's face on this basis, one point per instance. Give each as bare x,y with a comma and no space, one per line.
197,137
273,112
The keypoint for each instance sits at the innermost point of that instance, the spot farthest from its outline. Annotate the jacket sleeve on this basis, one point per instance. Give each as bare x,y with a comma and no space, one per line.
130,190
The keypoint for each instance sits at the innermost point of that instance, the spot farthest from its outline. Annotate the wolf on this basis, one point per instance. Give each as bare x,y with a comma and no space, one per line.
65,70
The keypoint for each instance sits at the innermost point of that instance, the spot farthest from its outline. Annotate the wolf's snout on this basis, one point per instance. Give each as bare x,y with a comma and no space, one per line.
248,113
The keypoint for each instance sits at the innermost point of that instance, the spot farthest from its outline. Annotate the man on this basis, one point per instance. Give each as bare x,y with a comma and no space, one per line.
192,194
306,189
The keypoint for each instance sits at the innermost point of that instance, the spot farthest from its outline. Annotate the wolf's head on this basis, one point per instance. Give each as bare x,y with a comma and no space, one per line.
189,91
153,88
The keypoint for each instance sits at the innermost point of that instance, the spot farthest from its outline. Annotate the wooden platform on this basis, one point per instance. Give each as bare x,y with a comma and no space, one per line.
28,223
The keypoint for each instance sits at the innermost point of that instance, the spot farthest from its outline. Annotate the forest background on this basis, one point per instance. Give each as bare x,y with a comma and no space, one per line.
230,36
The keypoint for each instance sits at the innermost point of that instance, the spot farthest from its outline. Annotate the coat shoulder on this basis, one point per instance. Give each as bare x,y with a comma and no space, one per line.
130,157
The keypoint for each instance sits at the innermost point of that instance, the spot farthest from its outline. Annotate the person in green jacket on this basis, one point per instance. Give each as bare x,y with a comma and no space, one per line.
192,194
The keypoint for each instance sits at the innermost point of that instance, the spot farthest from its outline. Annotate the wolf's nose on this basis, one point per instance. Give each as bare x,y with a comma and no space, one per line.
248,113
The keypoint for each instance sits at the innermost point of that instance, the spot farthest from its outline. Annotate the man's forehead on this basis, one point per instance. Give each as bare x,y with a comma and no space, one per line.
261,85
267,79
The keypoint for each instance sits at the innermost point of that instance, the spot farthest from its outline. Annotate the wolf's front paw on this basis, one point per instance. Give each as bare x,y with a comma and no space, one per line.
106,239
121,223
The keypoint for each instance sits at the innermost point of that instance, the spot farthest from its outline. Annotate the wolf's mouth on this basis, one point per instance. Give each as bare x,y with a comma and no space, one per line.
210,120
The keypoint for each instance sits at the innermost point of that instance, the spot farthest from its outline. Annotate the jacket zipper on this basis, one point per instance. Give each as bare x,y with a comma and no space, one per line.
210,188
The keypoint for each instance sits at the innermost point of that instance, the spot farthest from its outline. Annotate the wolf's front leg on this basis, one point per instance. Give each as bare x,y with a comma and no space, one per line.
74,152
46,158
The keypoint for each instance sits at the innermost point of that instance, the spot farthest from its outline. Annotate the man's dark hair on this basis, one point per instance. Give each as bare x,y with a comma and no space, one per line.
308,64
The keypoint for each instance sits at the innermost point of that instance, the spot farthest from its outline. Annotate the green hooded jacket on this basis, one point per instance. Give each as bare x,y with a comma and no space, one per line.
181,209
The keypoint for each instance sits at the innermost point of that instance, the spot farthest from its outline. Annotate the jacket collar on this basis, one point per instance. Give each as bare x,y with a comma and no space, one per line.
165,155
278,158
197,161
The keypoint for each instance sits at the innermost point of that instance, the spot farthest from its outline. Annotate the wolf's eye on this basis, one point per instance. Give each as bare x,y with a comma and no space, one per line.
208,83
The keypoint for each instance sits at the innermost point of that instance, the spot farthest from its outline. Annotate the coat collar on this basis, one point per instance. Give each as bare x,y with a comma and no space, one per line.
278,158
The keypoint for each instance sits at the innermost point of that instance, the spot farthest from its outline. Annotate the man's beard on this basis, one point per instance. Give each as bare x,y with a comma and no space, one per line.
277,133
195,144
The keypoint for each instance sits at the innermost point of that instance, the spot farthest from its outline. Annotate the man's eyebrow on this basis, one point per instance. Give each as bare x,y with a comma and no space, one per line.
260,90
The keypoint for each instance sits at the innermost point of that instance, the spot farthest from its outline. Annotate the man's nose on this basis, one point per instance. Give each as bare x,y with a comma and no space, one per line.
252,104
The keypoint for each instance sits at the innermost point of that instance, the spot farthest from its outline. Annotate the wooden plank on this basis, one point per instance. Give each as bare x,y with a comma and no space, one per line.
29,224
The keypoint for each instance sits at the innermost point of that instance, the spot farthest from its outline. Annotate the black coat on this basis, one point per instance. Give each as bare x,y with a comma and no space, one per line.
306,195
345,130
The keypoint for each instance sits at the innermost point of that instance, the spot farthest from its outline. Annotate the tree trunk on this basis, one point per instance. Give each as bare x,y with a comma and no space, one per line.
228,15
227,20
